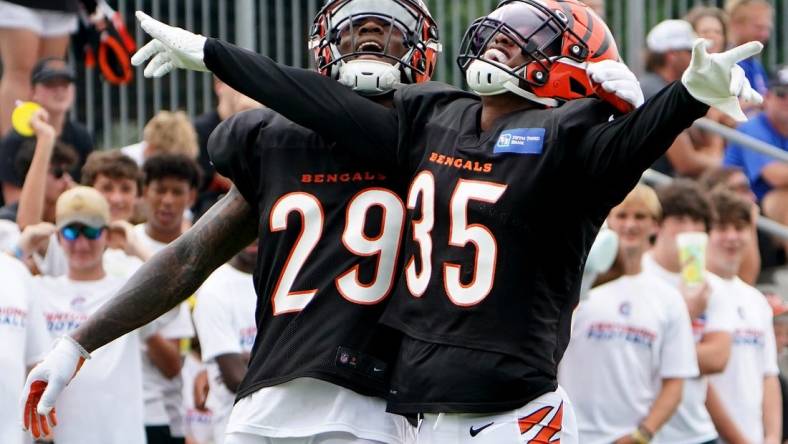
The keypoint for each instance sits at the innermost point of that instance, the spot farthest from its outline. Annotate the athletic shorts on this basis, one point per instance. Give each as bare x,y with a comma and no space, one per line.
548,419
43,22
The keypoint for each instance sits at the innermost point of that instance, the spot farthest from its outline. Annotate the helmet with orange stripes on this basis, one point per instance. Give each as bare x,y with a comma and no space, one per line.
537,49
405,52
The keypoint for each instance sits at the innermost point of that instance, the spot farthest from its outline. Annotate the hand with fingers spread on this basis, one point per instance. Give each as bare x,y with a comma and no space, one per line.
45,383
170,48
616,81
717,80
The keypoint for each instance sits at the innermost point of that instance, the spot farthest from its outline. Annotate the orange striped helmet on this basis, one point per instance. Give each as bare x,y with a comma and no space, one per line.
411,18
557,39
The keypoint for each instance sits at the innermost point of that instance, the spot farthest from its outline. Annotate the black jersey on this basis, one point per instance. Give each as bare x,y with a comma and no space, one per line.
329,236
499,222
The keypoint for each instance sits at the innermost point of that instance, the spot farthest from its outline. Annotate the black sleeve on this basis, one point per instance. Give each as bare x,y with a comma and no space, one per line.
234,151
308,99
614,154
9,147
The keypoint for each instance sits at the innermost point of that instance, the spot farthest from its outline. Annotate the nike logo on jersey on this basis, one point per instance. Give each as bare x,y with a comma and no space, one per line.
521,141
476,430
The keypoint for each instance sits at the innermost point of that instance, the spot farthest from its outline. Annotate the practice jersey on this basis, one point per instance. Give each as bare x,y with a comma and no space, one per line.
329,229
23,334
628,336
499,221
103,404
691,423
225,323
753,358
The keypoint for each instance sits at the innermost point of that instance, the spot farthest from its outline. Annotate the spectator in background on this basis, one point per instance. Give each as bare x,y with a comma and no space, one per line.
53,89
751,20
686,209
711,24
767,175
226,327
745,404
167,132
780,323
170,184
25,342
47,163
105,405
734,180
669,53
229,102
31,30
632,345
118,179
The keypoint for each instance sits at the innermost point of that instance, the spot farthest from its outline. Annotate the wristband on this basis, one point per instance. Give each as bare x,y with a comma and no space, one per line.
642,435
82,352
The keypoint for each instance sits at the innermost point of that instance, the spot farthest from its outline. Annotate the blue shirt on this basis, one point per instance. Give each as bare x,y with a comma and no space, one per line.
756,74
751,162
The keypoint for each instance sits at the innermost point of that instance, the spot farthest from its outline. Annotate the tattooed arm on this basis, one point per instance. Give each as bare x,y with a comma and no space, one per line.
175,273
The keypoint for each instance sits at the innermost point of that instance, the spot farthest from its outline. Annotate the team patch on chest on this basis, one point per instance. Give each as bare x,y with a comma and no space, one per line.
521,141
460,163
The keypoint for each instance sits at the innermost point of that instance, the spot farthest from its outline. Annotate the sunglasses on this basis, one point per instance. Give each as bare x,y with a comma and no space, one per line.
72,232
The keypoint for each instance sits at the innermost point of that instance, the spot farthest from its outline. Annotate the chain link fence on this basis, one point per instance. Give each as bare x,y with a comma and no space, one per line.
278,28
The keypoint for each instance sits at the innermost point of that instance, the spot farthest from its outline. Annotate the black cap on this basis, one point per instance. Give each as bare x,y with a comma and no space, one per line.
779,77
51,68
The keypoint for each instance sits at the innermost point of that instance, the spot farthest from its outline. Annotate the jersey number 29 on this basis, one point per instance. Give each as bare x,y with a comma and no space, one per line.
385,245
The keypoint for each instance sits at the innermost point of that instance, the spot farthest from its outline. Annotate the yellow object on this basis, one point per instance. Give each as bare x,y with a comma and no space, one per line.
20,118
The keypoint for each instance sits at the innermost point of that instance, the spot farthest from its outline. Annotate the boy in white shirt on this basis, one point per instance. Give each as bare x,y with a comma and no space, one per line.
686,208
170,184
103,405
24,338
226,327
744,400
632,342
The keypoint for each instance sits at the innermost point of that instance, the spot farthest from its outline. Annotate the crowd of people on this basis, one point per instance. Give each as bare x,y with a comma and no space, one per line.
651,357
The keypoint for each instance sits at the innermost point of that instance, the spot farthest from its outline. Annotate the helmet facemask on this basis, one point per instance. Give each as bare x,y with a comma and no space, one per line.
405,54
544,37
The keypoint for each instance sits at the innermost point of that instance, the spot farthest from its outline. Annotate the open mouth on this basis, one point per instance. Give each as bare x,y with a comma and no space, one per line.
369,46
496,55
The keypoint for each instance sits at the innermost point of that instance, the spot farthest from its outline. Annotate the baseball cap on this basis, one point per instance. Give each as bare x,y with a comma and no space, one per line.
82,205
51,68
671,35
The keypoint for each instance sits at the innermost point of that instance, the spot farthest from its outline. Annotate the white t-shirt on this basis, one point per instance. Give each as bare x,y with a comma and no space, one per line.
55,263
307,406
198,425
25,342
224,317
103,404
164,397
627,336
753,357
691,424
9,235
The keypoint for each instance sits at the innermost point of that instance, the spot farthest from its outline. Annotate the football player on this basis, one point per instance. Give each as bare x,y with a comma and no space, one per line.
330,229
507,192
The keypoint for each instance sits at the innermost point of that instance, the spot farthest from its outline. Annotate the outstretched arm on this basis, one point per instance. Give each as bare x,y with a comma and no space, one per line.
175,273
305,97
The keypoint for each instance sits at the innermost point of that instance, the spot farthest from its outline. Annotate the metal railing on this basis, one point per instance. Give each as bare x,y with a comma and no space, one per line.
278,28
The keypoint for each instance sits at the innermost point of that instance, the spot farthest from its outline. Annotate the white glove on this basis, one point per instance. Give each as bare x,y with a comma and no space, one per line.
170,48
717,80
46,381
616,78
